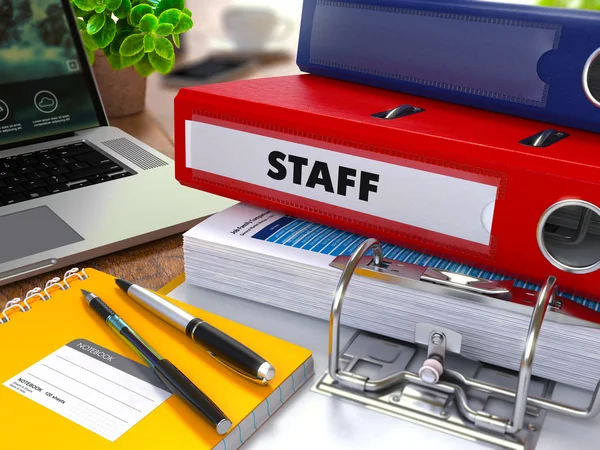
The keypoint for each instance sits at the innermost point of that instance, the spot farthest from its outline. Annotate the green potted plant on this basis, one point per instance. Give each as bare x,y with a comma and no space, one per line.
127,40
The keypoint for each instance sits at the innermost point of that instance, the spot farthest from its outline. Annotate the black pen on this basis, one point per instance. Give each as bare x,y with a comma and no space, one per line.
176,381
224,348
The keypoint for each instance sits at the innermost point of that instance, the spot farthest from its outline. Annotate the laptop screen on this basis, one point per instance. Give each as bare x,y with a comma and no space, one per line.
45,90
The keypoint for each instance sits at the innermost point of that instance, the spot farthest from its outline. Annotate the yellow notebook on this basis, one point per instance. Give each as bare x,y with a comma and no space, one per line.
67,381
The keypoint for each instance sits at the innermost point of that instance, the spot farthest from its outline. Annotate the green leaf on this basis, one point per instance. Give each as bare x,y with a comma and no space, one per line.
106,51
127,61
124,27
96,23
113,5
88,41
161,64
143,67
163,5
148,43
115,45
81,13
171,16
123,11
86,5
164,48
106,35
100,8
164,29
115,61
186,11
90,55
176,40
138,12
148,23
132,44
81,25
185,24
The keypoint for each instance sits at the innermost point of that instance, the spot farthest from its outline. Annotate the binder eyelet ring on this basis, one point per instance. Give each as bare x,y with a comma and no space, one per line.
594,66
544,238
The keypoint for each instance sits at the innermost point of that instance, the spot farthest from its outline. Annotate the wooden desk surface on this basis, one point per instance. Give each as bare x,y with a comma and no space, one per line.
151,265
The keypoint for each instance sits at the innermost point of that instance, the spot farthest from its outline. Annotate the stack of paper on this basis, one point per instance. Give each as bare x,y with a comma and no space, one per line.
282,261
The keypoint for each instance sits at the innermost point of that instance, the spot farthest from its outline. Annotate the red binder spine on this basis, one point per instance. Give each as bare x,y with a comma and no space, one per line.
467,201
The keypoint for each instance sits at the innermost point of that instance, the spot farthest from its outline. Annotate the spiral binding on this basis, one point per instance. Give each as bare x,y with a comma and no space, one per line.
42,294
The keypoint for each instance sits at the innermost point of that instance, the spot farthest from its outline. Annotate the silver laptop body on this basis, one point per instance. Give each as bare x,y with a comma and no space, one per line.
63,229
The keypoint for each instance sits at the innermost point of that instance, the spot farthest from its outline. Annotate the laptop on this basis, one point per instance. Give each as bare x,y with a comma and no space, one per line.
71,186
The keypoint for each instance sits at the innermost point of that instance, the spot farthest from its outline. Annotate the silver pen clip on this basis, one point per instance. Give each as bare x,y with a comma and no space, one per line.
231,367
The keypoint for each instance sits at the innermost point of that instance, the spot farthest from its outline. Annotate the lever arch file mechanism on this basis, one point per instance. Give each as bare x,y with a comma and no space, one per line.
428,382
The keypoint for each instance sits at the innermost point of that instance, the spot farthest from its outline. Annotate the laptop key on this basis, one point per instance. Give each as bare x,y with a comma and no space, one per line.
80,184
2,183
57,170
27,159
37,175
56,179
7,164
70,151
44,165
120,175
34,184
36,193
12,199
63,161
24,170
77,165
9,190
93,158
11,181
97,170
46,155
100,179
5,173
56,188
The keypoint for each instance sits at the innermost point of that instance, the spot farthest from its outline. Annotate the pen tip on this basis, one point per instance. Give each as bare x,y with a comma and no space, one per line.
85,293
124,285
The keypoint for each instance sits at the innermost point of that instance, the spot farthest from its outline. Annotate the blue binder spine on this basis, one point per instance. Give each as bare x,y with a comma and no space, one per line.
529,61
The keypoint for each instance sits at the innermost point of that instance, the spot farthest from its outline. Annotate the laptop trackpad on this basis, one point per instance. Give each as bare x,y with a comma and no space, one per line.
33,231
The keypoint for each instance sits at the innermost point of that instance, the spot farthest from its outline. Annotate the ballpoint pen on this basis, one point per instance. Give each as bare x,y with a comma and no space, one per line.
224,348
173,378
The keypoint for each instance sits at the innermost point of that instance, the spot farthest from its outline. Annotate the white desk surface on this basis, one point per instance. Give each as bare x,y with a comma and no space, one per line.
310,418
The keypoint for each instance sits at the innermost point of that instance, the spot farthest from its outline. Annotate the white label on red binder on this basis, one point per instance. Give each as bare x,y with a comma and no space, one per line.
440,203
92,386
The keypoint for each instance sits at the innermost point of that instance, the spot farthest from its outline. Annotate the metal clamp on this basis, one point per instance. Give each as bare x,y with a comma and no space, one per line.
452,382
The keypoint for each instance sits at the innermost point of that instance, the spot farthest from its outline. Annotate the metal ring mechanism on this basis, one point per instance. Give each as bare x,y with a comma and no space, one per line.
452,382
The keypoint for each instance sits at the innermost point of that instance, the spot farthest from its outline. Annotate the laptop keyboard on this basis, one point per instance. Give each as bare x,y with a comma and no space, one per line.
47,172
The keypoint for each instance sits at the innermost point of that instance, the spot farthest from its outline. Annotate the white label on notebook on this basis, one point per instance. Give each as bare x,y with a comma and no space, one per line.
92,386
431,201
